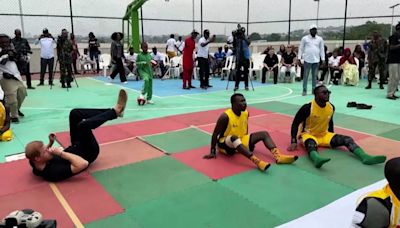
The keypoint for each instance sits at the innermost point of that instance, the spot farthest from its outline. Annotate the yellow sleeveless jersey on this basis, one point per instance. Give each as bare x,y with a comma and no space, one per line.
2,115
318,121
237,125
383,194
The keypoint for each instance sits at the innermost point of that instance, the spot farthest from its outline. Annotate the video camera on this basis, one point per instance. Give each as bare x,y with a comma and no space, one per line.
239,32
26,218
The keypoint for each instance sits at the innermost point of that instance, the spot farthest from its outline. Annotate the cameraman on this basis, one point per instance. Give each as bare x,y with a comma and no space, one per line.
242,53
22,48
11,81
64,50
46,41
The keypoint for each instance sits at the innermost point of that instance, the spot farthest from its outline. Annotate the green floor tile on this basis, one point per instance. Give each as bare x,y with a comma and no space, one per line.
345,169
285,190
279,107
374,127
178,141
392,134
137,183
208,205
124,220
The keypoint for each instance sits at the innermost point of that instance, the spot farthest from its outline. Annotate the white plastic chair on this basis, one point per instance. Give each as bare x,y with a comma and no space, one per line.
257,61
228,66
104,63
175,67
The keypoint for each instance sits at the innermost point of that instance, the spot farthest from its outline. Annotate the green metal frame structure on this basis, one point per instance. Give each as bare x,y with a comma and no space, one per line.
132,18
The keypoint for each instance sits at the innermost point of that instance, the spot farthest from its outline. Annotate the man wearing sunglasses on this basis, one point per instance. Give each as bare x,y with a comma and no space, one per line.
316,121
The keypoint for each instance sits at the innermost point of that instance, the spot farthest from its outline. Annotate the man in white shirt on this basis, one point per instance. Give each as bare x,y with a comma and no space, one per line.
228,52
180,44
335,70
47,44
171,49
311,51
202,58
159,58
130,60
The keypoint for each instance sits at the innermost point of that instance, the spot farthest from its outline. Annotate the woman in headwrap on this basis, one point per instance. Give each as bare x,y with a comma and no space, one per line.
350,69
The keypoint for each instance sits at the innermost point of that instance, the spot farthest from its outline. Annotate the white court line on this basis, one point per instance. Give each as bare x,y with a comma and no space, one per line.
121,86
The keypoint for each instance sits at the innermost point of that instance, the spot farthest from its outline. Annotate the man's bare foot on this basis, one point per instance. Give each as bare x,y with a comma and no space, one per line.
121,103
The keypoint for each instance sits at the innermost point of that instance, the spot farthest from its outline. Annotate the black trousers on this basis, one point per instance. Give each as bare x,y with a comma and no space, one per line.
264,72
204,71
242,70
119,70
25,69
81,124
44,63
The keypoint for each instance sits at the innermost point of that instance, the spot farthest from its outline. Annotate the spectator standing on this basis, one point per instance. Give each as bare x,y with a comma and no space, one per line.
202,58
94,50
171,48
311,51
23,48
117,56
75,52
46,41
188,63
377,48
394,63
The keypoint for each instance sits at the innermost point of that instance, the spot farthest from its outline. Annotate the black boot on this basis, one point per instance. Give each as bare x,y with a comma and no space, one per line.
68,85
381,86
63,85
369,85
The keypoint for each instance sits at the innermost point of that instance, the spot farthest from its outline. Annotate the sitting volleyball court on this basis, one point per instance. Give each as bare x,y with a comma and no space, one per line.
152,159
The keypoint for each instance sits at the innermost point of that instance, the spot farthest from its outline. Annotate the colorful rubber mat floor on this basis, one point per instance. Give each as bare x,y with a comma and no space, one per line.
150,171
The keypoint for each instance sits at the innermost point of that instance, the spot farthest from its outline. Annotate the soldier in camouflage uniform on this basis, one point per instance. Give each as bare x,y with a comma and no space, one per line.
64,50
377,50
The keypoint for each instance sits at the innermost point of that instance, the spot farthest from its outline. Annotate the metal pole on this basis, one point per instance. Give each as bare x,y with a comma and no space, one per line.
290,18
248,14
344,27
317,12
72,20
141,22
21,18
201,16
391,24
193,12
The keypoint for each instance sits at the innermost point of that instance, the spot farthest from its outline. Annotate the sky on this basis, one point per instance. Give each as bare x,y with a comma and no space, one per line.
215,10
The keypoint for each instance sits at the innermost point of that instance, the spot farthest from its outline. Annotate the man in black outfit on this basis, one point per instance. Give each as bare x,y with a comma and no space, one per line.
94,50
270,65
22,48
57,163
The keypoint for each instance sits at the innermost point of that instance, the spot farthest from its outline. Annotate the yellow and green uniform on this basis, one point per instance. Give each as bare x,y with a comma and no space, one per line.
237,126
7,135
378,209
317,123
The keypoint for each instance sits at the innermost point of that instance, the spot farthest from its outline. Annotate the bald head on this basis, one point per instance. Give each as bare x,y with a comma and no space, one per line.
17,33
32,149
392,174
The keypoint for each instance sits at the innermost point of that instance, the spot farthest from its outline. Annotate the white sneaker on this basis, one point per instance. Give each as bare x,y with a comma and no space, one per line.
125,82
130,75
149,102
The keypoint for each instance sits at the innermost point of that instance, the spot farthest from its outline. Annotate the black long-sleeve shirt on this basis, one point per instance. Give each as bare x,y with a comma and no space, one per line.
301,117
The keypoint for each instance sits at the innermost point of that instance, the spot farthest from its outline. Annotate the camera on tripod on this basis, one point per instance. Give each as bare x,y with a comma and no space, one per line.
239,32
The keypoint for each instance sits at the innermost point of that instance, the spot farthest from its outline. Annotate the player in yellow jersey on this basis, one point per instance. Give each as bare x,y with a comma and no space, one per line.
316,120
381,208
5,119
231,136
